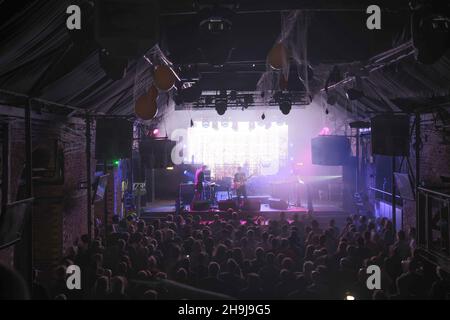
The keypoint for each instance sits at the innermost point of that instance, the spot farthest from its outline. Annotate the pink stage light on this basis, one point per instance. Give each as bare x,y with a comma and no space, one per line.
155,132
325,131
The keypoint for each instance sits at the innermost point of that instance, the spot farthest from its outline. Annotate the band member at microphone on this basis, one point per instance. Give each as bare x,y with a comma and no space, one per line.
198,182
239,183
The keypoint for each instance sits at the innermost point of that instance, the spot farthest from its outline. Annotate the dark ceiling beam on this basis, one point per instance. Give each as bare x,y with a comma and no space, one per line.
169,8
8,112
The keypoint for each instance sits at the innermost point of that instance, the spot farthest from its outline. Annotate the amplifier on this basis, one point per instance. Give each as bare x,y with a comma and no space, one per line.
186,192
278,204
224,205
200,205
252,205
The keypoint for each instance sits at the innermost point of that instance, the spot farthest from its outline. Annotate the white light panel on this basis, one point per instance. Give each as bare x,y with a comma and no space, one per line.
226,144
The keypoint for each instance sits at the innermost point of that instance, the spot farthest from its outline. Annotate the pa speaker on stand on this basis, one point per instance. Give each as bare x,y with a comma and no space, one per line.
390,135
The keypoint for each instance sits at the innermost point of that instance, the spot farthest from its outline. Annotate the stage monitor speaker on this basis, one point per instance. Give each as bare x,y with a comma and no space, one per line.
252,205
200,205
330,150
224,205
113,139
156,153
186,192
390,135
278,204
127,28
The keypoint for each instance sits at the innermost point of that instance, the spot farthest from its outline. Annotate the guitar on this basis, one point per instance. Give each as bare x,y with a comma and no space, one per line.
238,184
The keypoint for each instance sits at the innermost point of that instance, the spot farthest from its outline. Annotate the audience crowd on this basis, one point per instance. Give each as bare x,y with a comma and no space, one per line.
252,258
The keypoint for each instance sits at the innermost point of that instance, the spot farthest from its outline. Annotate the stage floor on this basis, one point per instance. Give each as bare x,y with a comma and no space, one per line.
322,211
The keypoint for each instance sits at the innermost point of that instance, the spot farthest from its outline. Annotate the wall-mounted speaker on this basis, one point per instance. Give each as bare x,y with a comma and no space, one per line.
390,135
113,139
330,150
156,153
127,28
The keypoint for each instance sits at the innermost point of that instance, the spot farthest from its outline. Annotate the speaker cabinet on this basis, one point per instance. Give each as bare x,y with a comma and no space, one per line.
390,135
224,205
330,150
186,192
252,205
278,204
113,139
200,205
127,28
156,153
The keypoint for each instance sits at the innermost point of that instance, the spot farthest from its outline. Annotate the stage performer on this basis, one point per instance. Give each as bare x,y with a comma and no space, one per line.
239,184
198,182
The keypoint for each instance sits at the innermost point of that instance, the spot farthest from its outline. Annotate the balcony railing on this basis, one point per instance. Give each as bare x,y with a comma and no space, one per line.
433,226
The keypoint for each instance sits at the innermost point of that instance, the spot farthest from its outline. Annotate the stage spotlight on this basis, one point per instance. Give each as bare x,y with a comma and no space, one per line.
178,99
190,92
215,34
208,100
155,132
354,94
334,77
331,98
221,107
248,100
285,106
325,131
430,31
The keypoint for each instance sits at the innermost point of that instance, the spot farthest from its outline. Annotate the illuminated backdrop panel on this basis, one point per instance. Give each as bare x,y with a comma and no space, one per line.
225,145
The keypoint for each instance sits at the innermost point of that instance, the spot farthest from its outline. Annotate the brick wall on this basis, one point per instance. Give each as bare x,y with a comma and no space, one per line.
434,161
113,198
60,210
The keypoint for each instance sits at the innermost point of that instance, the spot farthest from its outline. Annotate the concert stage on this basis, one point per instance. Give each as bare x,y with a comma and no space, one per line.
323,212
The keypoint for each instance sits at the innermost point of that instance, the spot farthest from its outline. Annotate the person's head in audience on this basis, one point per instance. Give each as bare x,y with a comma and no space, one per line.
12,285
260,254
101,286
150,295
233,267
401,236
118,285
213,269
379,295
270,259
181,275
253,281
308,267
